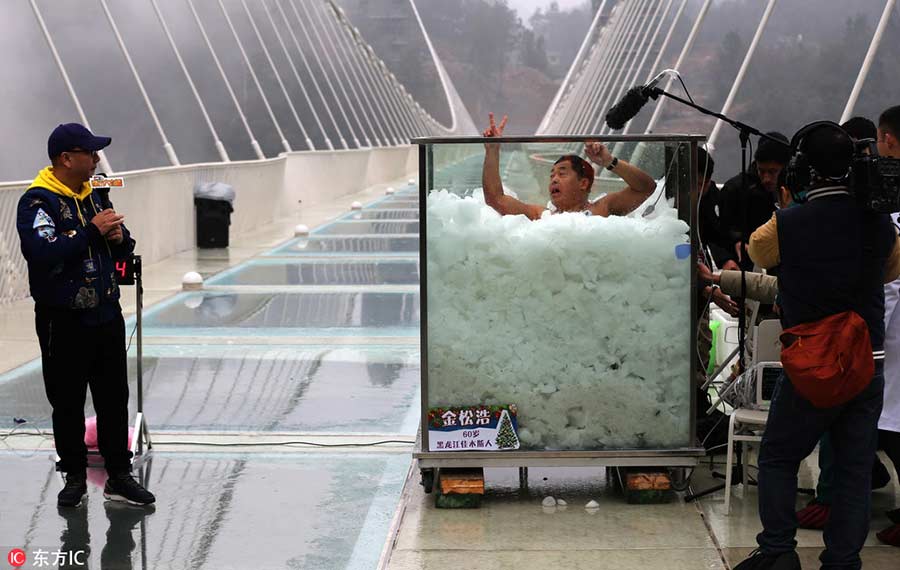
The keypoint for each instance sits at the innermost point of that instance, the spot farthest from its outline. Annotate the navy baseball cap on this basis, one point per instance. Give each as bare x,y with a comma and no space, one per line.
74,135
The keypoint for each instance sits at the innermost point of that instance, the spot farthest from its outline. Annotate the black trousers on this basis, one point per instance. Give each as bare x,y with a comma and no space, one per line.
75,356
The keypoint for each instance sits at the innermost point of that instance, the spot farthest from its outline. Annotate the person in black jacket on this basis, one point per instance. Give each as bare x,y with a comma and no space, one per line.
71,238
742,208
714,240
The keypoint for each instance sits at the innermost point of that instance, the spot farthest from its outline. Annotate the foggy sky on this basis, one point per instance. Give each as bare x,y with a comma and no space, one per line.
526,8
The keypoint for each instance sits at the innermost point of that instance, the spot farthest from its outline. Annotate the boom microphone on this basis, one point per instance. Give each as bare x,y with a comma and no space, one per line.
627,107
634,99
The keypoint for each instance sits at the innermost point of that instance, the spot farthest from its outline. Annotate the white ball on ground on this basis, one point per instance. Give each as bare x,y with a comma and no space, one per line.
592,504
390,190
549,502
356,206
561,503
301,230
192,281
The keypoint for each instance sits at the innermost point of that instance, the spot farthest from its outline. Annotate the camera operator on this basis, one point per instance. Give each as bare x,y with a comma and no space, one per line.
834,254
815,514
70,238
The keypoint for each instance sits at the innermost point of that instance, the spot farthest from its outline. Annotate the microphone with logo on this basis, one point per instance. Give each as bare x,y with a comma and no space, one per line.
632,102
102,184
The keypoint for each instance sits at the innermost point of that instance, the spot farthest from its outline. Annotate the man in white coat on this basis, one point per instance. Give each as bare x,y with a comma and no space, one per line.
889,423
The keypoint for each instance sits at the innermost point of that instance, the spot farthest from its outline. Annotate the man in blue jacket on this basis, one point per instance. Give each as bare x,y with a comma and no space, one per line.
71,238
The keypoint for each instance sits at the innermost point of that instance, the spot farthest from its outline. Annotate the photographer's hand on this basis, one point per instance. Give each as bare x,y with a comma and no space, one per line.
705,275
724,302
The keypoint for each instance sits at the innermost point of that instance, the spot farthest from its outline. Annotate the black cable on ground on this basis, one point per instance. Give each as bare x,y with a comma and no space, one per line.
247,444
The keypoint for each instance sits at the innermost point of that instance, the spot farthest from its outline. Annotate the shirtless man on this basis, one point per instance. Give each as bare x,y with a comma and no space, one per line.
571,179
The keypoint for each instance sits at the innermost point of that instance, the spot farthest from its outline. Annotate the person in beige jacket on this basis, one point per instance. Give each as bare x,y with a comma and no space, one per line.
760,287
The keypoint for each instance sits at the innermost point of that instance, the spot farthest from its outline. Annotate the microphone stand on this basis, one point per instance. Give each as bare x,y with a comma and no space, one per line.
744,132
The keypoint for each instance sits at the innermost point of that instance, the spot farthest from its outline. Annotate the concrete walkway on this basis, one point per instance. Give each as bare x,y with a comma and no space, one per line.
513,531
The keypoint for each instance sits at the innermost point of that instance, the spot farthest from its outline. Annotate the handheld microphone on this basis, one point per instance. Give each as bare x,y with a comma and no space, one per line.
101,181
103,184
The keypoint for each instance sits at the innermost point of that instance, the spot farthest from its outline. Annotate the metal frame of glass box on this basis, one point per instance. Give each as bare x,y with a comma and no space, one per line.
686,201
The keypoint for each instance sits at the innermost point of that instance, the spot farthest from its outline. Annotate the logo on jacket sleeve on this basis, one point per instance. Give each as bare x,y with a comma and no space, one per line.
42,219
44,225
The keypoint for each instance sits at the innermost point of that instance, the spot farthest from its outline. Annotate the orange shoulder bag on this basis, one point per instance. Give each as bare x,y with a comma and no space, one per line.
829,361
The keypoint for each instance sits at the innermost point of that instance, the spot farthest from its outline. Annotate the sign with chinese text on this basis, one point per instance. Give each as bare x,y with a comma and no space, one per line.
100,181
473,428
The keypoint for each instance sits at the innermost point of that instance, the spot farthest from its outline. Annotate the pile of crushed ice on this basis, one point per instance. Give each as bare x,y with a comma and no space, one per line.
581,321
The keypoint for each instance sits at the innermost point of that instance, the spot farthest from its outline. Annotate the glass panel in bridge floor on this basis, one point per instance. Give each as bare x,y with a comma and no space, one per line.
234,388
398,214
292,314
214,510
365,227
322,272
329,245
393,204
406,195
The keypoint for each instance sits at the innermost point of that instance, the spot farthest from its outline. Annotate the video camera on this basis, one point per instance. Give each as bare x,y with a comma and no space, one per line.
874,179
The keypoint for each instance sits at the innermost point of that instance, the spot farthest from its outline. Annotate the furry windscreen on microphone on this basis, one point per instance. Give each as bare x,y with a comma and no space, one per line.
627,108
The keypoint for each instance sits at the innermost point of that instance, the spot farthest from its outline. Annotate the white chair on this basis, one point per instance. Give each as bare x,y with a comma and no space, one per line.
751,413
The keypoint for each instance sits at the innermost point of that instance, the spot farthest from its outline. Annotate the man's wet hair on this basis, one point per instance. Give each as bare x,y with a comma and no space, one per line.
771,151
889,121
581,167
705,164
860,128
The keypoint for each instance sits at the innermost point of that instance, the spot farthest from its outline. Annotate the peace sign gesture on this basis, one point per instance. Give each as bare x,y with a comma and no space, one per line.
494,130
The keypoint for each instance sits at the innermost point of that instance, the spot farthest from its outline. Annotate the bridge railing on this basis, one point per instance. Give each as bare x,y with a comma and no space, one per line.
158,203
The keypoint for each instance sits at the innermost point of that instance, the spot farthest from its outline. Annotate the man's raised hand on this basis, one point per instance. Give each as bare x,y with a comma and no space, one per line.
494,130
598,153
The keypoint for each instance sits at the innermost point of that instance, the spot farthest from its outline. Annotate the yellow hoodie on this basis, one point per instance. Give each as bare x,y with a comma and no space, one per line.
46,179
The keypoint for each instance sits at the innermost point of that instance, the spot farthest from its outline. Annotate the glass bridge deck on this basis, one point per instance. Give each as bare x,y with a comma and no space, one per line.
224,313
330,245
322,272
318,337
312,509
254,388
